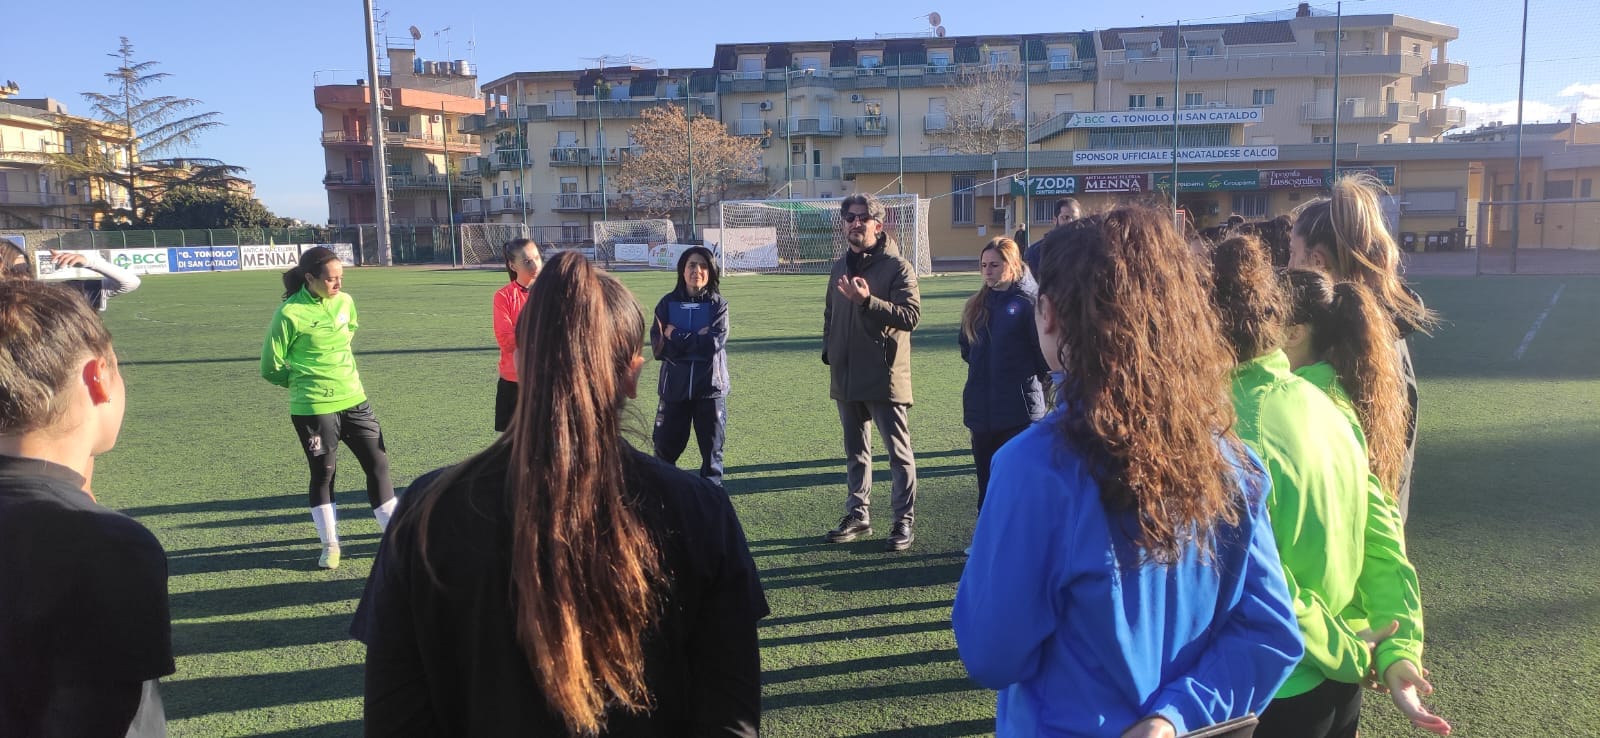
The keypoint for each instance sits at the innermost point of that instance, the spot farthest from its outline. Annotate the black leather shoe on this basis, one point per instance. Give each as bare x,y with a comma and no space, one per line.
901,537
850,528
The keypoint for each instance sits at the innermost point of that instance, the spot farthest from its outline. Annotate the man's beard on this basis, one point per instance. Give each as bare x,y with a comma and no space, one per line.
858,240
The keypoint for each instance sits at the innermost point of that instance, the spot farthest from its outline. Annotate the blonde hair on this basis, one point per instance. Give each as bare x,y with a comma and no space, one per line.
1349,228
975,316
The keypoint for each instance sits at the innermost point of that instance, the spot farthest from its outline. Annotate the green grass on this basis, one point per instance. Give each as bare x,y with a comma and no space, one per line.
1503,519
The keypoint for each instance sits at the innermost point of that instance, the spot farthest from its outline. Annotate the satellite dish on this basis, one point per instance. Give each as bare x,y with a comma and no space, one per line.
934,19
416,35
939,31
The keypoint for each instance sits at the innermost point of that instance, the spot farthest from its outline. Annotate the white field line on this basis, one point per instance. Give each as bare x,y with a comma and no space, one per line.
1536,323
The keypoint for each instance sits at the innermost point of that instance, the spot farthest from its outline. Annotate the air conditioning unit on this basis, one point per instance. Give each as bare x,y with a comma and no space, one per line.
855,98
765,105
436,117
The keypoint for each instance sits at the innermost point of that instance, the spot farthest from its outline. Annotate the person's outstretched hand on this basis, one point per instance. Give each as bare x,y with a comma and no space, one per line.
1151,727
1406,686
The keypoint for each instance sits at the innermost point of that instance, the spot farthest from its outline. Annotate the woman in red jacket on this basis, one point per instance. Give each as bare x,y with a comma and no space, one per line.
522,264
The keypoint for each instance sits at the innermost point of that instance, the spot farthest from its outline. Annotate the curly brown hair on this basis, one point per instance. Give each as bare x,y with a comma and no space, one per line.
1248,297
1148,376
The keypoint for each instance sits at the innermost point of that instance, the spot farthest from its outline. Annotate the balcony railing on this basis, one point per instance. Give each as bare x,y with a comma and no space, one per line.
426,182
759,175
751,127
504,203
1443,118
340,179
814,125
585,200
872,125
36,199
503,160
585,156
429,140
1437,76
1357,110
824,171
344,137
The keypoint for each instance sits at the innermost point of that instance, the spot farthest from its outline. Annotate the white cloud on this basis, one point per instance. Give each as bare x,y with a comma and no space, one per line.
1583,99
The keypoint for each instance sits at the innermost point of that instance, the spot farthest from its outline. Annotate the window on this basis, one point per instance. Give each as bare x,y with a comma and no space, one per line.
1194,99
72,186
997,217
1135,102
670,89
999,59
569,184
398,124
1388,138
1250,204
1416,49
871,61
939,60
1161,102
1558,190
571,231
810,62
872,151
1431,201
961,199
69,145
751,67
1060,59
1322,139
1264,97
1586,188
1043,211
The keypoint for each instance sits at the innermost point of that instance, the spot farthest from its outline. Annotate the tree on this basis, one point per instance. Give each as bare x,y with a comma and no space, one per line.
982,110
136,128
195,207
656,175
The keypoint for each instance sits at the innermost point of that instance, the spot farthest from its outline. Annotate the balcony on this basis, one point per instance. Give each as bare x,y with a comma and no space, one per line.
1357,111
506,160
584,156
1442,119
752,127
801,125
345,137
36,199
421,140
404,181
1230,66
872,125
584,201
759,175
504,204
340,180
1437,76
822,171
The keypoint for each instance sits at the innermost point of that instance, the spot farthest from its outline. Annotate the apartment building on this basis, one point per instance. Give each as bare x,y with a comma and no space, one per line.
36,194
425,104
552,140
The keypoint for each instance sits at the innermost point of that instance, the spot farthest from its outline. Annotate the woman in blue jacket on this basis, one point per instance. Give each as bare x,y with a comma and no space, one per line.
1006,372
689,337
1124,580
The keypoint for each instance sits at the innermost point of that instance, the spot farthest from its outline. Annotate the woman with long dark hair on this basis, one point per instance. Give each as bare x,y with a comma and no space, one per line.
1339,555
1339,340
1346,237
561,582
307,350
522,266
689,336
1123,579
1006,372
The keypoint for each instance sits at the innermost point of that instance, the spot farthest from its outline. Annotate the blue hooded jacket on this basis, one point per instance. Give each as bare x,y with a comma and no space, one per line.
1004,387
693,366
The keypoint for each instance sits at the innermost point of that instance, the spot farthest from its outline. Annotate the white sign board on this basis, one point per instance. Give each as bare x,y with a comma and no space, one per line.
282,258
744,248
141,261
1190,117
45,268
345,251
1204,155
631,253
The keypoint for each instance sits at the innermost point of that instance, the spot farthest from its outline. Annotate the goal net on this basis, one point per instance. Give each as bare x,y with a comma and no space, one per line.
636,242
483,244
808,236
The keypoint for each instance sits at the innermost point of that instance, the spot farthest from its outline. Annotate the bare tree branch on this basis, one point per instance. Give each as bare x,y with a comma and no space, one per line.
983,110
656,175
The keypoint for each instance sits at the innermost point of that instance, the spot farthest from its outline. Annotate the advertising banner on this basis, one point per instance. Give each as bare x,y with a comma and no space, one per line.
346,251
1191,117
280,258
744,249
1115,182
1203,155
183,259
44,265
140,261
1045,186
1208,181
631,253
1277,179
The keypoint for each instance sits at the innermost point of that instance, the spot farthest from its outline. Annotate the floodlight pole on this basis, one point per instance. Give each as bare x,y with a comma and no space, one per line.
449,192
1522,79
1177,73
688,126
380,162
1338,62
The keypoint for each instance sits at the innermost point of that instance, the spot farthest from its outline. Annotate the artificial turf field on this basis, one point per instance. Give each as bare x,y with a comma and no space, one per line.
1503,524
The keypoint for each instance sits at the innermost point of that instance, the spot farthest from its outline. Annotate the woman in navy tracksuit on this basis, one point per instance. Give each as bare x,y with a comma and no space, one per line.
1006,373
689,337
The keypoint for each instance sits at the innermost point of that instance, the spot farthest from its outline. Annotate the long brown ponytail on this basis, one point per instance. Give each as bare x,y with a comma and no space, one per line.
1349,330
584,568
1348,228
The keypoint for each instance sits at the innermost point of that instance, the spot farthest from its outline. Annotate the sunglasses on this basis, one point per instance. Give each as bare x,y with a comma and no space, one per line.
853,217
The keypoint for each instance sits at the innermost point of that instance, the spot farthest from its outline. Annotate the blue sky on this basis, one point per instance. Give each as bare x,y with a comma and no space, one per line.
254,62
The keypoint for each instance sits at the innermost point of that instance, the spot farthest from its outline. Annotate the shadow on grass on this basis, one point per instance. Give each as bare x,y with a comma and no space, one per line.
208,695
253,557
317,589
347,728
856,666
878,631
867,578
888,562
268,503
857,612
193,639
825,697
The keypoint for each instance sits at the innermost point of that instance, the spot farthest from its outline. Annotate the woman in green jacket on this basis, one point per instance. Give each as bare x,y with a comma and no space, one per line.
1338,340
1338,548
308,351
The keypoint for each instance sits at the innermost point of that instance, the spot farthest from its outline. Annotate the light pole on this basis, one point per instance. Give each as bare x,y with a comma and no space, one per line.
1338,59
688,128
380,164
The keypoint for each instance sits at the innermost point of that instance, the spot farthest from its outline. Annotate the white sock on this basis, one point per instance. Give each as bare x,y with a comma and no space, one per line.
382,513
326,518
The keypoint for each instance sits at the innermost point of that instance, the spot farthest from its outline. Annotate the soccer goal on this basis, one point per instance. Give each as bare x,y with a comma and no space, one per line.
808,236
637,242
483,244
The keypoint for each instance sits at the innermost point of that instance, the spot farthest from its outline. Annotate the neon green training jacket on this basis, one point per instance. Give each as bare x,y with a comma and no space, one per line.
1319,509
1387,590
308,350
